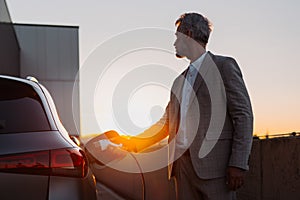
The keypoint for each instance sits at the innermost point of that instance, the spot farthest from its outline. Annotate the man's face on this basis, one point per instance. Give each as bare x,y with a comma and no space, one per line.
181,45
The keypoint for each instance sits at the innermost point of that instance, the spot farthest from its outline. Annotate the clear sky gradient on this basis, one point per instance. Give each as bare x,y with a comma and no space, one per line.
263,36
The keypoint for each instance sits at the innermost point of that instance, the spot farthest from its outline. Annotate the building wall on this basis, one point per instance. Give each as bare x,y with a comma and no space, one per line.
51,54
274,170
9,48
4,13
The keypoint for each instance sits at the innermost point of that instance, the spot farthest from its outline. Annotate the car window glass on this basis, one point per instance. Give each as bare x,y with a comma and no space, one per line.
21,109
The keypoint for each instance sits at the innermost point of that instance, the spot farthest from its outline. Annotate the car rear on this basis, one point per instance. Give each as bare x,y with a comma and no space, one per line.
37,158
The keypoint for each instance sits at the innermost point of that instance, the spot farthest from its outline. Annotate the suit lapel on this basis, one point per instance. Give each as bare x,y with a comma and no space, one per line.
176,102
207,62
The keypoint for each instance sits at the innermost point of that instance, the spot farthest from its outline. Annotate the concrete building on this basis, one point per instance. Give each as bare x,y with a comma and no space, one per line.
49,53
9,46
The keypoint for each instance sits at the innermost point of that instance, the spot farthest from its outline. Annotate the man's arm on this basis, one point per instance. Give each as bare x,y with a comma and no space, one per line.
240,111
149,137
154,134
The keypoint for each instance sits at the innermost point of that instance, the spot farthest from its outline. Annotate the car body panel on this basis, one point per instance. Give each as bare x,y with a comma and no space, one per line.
23,186
32,141
118,184
61,188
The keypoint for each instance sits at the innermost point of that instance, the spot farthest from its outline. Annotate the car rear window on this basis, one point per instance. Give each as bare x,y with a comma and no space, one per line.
21,109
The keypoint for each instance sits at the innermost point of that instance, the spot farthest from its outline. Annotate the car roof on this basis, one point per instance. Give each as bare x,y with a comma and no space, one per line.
30,80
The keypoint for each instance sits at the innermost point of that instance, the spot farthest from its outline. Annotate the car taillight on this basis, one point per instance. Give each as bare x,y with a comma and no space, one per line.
60,162
68,162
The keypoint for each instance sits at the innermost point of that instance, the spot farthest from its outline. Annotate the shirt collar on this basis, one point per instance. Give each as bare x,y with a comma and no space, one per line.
198,62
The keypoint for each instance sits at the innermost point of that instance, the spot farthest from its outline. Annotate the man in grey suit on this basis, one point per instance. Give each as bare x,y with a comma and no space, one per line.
208,120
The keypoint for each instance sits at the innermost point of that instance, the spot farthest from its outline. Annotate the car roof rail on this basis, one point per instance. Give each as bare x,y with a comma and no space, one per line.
31,78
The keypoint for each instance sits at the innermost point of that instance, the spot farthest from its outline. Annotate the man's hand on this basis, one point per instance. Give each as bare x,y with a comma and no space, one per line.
235,178
128,143
104,151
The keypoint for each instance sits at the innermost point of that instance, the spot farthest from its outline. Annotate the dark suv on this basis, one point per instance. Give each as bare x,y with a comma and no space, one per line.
38,160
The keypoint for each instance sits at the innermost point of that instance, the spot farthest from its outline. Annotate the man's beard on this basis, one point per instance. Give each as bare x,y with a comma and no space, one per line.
178,55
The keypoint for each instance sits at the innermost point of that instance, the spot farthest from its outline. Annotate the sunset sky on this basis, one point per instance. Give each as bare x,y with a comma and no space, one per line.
263,36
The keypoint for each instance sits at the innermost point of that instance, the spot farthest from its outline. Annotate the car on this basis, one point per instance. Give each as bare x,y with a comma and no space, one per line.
38,158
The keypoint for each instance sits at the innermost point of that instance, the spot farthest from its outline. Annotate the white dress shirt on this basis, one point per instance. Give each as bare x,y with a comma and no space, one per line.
193,70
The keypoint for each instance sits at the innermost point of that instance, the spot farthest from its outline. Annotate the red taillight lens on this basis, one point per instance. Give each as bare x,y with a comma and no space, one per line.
68,162
30,163
59,162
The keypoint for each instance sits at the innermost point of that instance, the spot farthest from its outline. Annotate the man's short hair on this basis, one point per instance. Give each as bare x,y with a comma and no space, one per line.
196,26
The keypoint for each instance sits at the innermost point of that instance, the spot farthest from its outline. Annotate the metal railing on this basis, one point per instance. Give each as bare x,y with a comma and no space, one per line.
269,136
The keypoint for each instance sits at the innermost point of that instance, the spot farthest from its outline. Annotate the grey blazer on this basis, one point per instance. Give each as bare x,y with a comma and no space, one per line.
232,145
221,129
